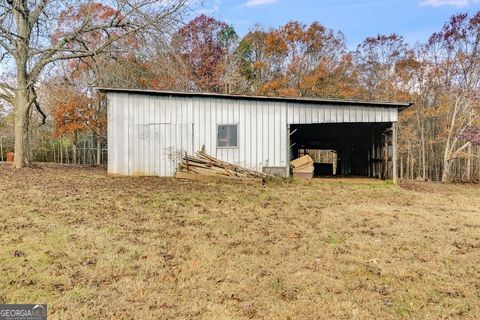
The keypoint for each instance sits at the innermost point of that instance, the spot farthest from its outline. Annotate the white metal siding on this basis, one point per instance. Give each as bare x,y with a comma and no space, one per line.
147,134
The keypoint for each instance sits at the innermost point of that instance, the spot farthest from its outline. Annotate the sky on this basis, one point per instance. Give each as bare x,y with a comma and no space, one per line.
416,20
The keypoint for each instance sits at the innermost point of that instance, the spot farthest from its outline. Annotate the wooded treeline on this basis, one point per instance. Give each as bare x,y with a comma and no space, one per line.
439,136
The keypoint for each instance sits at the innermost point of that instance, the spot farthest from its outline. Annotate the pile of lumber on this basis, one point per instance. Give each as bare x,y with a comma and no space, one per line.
204,167
303,167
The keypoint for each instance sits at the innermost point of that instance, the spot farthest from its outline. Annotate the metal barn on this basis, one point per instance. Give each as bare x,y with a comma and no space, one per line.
149,131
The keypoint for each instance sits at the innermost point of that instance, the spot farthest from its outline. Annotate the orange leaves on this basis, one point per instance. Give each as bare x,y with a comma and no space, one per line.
278,87
72,19
313,33
275,44
74,112
293,31
259,65
296,60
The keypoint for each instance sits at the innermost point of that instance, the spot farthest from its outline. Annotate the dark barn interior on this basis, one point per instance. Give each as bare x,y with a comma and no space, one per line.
362,149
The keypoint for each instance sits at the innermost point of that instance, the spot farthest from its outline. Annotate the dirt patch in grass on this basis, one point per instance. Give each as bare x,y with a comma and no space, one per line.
95,246
420,186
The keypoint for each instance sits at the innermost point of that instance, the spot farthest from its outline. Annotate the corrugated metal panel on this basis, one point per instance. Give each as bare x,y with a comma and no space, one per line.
148,134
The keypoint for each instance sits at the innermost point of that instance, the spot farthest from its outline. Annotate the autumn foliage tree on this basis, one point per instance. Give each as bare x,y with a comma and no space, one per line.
203,46
30,38
296,60
251,60
75,112
455,73
77,117
377,59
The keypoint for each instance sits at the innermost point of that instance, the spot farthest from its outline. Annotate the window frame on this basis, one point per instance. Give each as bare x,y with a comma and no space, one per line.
228,124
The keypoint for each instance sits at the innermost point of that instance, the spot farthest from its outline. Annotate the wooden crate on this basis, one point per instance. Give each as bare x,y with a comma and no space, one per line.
303,175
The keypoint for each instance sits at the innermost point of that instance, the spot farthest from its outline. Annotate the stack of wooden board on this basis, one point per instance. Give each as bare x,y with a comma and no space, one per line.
303,167
204,167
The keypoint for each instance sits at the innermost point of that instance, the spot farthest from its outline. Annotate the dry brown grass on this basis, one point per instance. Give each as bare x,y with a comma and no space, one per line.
99,247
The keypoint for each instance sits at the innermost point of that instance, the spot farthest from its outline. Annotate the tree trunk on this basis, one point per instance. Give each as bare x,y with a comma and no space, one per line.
408,162
469,163
22,98
401,167
61,151
22,129
478,164
84,152
422,152
1,149
74,149
447,167
447,163
74,154
99,152
412,166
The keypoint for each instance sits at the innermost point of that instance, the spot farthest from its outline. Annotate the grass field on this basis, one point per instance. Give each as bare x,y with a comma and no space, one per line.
94,246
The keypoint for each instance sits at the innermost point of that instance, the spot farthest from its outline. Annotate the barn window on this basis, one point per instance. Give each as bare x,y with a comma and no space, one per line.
227,136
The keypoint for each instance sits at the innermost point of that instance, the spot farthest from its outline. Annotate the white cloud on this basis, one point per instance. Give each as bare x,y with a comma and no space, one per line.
254,3
455,3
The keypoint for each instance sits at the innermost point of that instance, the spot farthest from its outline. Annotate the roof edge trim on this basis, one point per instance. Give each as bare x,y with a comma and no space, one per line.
400,105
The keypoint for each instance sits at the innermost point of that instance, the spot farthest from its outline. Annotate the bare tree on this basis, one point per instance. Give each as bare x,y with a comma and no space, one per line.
35,34
455,70
377,59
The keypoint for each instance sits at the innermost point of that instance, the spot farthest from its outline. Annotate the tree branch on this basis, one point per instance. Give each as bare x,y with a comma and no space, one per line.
82,54
35,14
6,92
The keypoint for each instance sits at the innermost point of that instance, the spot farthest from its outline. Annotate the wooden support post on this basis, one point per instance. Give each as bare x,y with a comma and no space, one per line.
371,155
380,158
374,154
394,154
385,157
289,152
